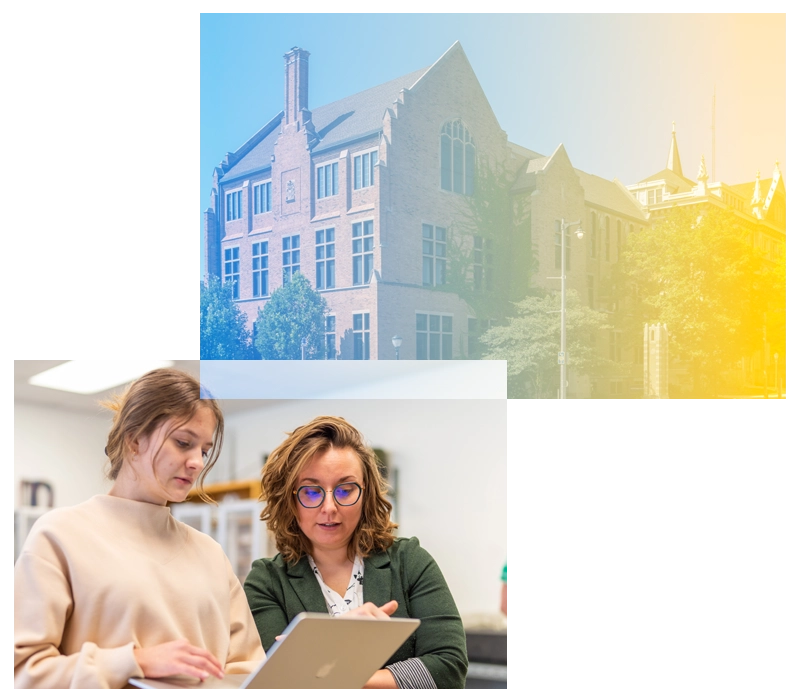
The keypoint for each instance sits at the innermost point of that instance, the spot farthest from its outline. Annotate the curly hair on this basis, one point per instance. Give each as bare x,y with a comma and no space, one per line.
374,531
146,403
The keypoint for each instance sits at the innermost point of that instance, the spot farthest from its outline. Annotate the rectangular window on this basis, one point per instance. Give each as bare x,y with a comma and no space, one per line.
261,269
590,290
434,255
361,336
362,252
326,264
327,180
619,238
434,337
233,205
232,270
330,337
262,197
291,257
558,246
364,170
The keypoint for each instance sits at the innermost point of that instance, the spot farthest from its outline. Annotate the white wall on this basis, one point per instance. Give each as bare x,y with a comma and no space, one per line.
61,447
450,457
451,462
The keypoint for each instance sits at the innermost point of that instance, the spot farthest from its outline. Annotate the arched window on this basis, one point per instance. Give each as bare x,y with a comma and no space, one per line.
457,154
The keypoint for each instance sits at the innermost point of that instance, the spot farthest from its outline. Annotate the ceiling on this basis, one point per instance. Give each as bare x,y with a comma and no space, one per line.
88,403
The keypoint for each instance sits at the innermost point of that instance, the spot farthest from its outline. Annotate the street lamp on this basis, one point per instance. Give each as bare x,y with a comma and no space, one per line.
397,341
562,356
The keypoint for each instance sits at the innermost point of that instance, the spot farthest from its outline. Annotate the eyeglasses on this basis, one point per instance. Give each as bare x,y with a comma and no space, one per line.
346,494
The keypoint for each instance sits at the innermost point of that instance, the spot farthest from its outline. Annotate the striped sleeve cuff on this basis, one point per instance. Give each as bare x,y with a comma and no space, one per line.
411,673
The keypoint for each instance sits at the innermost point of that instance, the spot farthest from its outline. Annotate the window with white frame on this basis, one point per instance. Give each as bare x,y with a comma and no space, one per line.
261,269
434,337
330,337
482,263
231,271
654,196
361,336
363,243
434,255
291,257
364,169
457,158
326,263
327,180
262,197
233,205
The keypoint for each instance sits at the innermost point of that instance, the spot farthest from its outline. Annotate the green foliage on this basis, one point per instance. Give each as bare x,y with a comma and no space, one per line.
223,332
294,313
695,270
531,340
498,219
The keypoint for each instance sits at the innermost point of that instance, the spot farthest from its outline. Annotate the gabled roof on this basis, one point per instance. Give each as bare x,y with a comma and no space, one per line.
597,190
609,195
675,182
336,123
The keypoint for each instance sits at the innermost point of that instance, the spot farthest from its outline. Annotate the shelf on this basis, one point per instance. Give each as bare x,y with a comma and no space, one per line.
249,488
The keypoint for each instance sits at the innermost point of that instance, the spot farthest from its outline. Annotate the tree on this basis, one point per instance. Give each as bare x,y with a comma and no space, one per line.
490,261
294,314
695,270
223,332
531,340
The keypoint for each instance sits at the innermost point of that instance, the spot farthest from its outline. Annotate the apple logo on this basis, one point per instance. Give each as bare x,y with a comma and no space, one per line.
325,669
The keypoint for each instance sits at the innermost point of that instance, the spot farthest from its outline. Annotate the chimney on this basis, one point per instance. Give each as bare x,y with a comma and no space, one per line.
296,97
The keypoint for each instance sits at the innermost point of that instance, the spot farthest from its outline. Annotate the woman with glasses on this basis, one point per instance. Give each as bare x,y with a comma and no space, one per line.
115,587
326,506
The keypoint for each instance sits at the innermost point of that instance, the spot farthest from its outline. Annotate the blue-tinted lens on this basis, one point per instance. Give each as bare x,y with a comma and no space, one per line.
347,494
310,496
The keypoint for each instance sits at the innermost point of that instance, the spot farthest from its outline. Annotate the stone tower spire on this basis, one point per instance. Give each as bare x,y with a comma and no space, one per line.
674,160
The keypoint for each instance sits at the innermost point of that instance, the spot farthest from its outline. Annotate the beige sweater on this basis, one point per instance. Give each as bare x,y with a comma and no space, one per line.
99,579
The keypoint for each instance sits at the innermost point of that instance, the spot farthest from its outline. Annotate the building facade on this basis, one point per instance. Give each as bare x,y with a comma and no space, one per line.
373,199
760,208
370,198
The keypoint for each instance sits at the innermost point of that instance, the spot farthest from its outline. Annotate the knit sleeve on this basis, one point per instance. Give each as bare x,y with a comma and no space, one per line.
244,652
42,605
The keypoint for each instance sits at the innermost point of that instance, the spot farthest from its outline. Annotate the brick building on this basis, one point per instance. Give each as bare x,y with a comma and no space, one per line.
369,198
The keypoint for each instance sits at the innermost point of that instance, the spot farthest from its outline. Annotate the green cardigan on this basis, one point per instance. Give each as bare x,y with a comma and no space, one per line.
405,573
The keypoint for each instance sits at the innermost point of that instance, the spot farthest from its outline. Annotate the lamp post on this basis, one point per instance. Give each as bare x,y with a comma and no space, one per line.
562,356
397,341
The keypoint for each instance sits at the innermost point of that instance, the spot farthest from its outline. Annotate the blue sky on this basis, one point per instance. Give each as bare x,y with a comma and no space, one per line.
607,86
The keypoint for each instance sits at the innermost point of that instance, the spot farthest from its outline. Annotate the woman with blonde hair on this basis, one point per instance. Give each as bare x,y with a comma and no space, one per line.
116,587
326,506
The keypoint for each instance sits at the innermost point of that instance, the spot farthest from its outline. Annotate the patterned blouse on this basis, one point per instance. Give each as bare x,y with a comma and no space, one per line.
409,673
